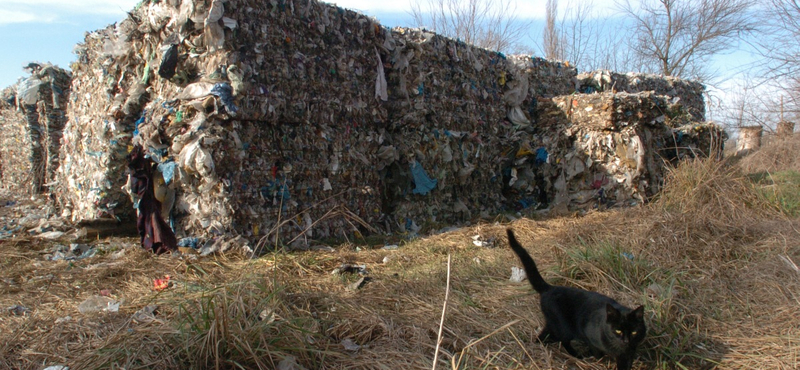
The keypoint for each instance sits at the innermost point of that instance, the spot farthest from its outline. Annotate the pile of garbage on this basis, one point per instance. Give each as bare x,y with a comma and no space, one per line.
32,115
303,120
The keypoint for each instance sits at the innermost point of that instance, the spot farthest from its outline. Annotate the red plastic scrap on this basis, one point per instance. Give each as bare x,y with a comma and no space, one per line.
161,284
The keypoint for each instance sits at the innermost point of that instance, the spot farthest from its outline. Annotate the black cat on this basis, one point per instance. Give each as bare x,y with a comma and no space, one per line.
579,318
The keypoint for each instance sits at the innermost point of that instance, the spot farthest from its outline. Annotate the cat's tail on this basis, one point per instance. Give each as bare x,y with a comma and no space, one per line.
534,277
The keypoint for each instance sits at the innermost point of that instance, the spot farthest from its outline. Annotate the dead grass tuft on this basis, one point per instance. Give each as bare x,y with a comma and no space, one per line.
777,155
708,211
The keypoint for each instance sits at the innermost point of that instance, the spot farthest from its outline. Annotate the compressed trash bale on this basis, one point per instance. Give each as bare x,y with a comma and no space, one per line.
785,129
33,122
548,78
16,146
687,93
108,88
600,150
693,140
445,98
749,139
612,111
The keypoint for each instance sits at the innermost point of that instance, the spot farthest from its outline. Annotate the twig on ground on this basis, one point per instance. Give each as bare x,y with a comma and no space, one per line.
444,310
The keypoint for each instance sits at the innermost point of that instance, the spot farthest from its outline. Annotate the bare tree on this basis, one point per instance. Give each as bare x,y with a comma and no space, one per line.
679,37
780,49
592,43
552,45
585,40
492,24
748,102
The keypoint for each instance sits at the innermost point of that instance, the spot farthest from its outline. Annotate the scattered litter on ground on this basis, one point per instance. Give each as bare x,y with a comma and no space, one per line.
347,268
517,275
145,315
18,310
358,283
162,283
290,363
350,345
267,315
488,243
96,304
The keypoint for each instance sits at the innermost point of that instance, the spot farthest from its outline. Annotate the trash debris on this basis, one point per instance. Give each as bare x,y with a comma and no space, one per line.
95,304
347,268
189,242
655,291
350,345
157,236
358,283
489,243
290,363
161,284
517,275
18,310
267,315
222,244
71,253
390,247
145,315
51,235
57,367
325,248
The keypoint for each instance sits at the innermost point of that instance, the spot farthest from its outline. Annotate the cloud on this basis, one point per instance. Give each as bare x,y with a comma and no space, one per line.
11,16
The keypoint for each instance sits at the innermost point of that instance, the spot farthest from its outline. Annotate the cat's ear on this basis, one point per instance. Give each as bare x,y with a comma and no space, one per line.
612,314
637,314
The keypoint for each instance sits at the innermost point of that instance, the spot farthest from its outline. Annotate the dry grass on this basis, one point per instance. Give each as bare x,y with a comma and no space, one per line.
779,154
711,260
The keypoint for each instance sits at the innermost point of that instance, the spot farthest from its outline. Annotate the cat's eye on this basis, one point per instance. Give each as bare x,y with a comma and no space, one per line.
619,332
633,333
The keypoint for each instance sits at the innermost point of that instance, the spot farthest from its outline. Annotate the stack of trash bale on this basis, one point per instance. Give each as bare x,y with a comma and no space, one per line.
33,117
300,120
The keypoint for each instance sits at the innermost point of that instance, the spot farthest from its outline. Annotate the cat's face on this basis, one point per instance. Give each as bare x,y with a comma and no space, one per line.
627,330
